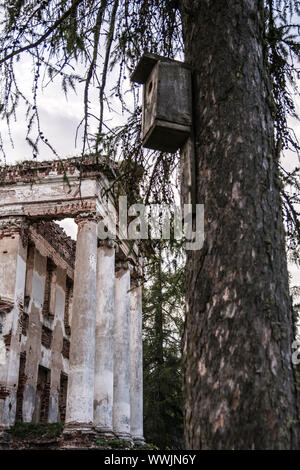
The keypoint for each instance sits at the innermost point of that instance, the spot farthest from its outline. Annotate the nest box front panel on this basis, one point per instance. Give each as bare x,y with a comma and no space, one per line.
174,98
167,109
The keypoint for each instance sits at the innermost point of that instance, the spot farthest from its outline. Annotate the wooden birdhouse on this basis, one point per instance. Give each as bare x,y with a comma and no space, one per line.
167,102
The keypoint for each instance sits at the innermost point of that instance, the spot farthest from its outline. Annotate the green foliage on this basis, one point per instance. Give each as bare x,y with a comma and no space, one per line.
145,447
283,54
61,36
101,443
283,50
118,444
163,307
36,430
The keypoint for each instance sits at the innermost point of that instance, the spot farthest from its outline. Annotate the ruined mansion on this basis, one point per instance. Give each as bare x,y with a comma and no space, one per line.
70,312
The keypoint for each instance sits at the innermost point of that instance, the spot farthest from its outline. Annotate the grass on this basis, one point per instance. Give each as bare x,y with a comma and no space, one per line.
145,447
112,443
32,431
36,430
120,444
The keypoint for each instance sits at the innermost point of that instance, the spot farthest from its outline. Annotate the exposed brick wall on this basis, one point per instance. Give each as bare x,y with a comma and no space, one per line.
62,400
10,230
46,337
29,274
5,306
66,348
25,323
48,285
45,403
21,386
43,389
28,172
68,304
57,238
4,392
7,340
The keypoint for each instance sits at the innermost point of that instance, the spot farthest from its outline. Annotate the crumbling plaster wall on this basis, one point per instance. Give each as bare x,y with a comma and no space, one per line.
37,353
38,194
13,256
18,282
34,194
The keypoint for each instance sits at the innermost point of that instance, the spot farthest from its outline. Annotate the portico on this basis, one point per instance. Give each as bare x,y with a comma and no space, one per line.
104,392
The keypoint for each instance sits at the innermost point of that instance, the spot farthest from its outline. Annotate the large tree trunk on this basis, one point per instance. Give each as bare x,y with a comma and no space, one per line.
239,383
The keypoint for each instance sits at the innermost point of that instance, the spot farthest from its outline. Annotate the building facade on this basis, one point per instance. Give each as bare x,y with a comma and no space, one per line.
70,312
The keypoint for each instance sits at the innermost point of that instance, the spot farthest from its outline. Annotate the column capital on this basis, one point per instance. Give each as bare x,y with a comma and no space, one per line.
136,281
137,276
85,217
108,243
124,265
10,225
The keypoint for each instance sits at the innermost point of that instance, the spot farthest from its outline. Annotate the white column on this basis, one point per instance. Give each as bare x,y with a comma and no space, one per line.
121,406
136,363
80,396
104,347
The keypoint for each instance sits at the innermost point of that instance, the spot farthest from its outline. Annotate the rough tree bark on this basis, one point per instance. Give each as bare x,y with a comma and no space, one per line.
239,384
